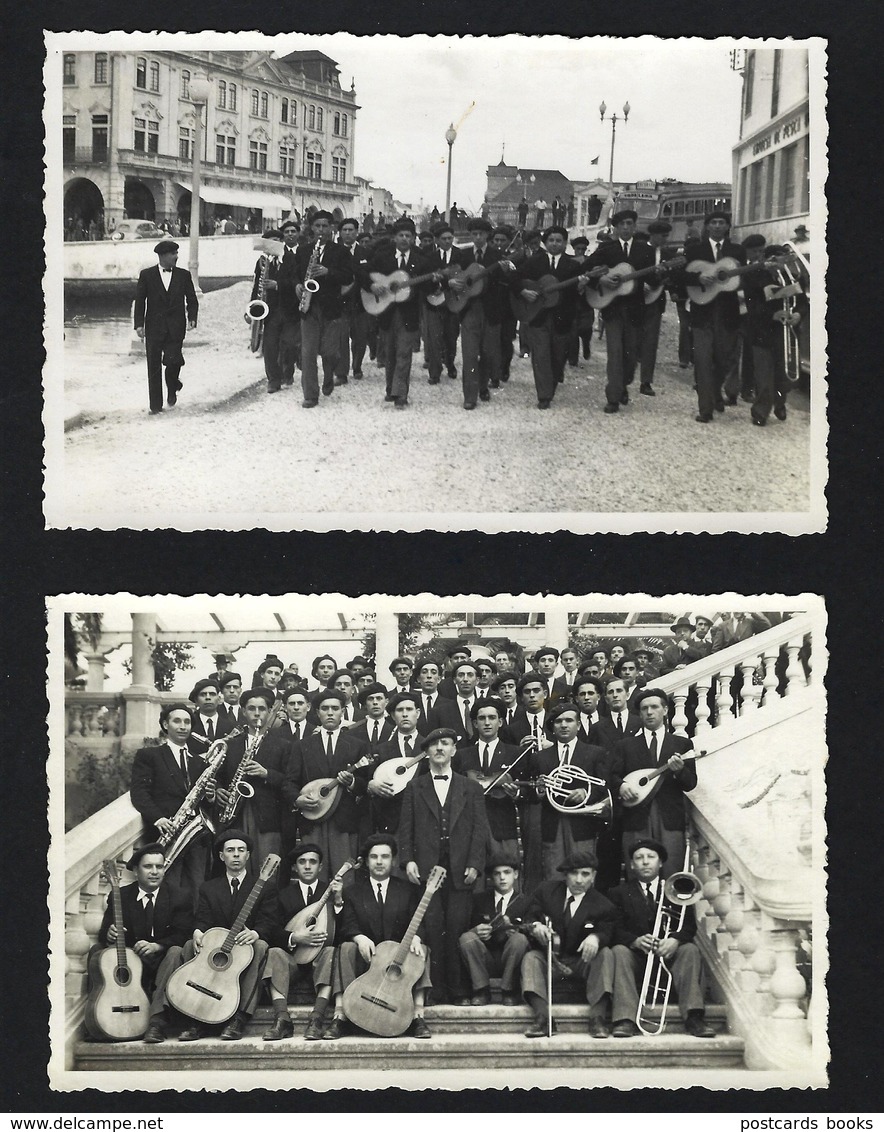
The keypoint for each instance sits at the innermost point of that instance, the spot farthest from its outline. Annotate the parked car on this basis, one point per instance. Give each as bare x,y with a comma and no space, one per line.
137,230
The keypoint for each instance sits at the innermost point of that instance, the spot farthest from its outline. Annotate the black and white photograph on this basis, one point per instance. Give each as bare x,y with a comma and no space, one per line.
604,323
513,841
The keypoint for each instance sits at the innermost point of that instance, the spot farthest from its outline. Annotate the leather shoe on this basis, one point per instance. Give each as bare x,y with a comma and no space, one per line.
389,397
647,389
172,398
543,404
419,1029
341,381
153,412
156,1033
612,407
719,405
540,1029
191,1034
274,389
328,387
334,1029
780,412
283,1027
510,1000
703,418
452,373
759,421
624,397
625,1028
484,395
309,404
696,1025
481,998
432,381
462,1001
401,403
357,376
469,404
314,1030
598,1028
732,399
232,1032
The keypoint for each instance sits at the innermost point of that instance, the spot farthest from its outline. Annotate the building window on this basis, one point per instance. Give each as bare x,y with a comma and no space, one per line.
225,149
337,125
222,95
231,97
154,77
775,84
185,143
339,170
314,167
265,104
789,181
287,160
185,84
284,110
147,136
340,125
253,103
141,74
755,184
69,70
99,138
69,138
343,125
319,117
258,155
748,83
101,68
311,118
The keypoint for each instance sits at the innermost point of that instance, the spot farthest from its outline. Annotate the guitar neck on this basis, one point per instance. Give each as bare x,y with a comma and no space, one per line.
411,932
240,922
120,943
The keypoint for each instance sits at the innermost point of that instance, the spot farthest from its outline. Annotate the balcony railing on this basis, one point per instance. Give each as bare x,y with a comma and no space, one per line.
84,155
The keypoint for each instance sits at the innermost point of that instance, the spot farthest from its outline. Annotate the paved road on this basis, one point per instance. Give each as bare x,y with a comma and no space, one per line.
228,445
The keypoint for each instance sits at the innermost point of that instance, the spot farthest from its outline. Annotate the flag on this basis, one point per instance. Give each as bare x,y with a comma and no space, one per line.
595,160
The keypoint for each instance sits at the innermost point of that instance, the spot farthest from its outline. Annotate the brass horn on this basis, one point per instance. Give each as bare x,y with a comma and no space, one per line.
565,779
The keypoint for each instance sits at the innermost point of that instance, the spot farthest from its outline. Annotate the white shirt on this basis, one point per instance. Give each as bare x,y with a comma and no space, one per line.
486,750
428,696
649,888
305,889
716,247
445,257
441,787
324,735
626,246
553,261
205,719
384,885
166,277
506,898
566,752
577,897
415,749
661,735
240,880
177,752
299,729
624,718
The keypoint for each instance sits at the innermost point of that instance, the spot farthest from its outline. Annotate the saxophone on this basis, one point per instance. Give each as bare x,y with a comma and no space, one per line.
310,284
237,787
257,310
190,819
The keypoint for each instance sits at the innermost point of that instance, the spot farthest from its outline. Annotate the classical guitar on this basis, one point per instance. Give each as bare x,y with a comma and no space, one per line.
474,277
316,915
645,781
547,289
117,1009
396,288
712,279
206,987
320,798
398,772
654,291
620,281
380,1001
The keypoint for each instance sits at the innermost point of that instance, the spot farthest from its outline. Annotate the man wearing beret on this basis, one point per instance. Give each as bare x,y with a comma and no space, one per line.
376,727
652,314
436,710
207,720
456,654
230,687
637,902
354,317
494,946
267,269
403,743
622,317
443,823
763,338
156,917
546,661
166,306
581,335
442,325
584,922
401,668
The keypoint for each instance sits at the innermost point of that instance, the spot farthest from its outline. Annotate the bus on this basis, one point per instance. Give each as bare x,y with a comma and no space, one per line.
682,205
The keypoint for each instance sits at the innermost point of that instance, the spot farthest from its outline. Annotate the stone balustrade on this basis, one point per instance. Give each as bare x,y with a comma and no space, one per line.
94,715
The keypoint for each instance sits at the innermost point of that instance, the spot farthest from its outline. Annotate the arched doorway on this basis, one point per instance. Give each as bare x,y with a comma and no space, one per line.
83,205
338,215
138,201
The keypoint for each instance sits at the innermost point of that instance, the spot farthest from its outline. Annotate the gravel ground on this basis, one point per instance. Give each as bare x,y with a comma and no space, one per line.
355,454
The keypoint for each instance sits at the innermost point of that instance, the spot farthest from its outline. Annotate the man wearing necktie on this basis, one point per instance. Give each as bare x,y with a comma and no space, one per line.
621,720
443,822
156,920
584,921
465,677
436,709
441,325
404,743
637,901
376,727
207,720
265,280
354,318
715,325
661,816
652,313
166,307
493,946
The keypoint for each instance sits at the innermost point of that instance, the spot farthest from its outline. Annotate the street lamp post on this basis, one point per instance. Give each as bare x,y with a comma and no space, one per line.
614,120
199,96
450,136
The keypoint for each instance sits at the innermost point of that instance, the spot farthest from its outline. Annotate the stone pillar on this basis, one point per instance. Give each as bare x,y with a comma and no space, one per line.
386,643
557,628
95,672
141,696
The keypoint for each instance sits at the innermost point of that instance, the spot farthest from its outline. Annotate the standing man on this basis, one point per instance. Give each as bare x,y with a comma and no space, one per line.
354,317
329,265
443,823
587,695
207,720
166,307
290,336
546,661
456,654
376,727
267,269
764,334
622,317
501,238
581,335
523,211
230,686
621,721
404,743
442,325
652,314
486,758
436,710
401,668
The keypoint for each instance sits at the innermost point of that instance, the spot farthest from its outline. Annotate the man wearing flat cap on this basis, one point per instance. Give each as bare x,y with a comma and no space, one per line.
584,922
494,945
652,313
166,307
622,317
443,822
207,720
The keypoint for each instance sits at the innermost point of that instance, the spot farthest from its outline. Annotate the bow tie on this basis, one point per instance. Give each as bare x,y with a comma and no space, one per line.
441,777
167,270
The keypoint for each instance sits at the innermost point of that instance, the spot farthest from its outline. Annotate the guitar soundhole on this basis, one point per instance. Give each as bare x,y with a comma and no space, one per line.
220,960
123,976
394,971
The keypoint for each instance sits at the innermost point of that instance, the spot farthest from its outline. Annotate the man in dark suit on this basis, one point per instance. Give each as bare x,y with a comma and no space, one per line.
166,306
161,779
546,661
207,719
584,921
378,907
715,326
456,654
344,681
494,945
230,687
684,649
400,322
404,743
156,917
441,324
652,313
637,902
354,316
282,967
622,317
587,695
376,727
290,332
620,722
265,287
443,823
331,267
661,816
549,331
401,668
328,754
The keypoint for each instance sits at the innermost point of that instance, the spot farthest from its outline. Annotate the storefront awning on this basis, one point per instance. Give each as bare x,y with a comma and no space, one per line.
243,198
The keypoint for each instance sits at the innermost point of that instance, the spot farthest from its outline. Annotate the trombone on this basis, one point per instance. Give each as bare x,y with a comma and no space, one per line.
681,890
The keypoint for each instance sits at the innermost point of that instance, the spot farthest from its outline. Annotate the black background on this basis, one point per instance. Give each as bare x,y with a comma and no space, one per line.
841,565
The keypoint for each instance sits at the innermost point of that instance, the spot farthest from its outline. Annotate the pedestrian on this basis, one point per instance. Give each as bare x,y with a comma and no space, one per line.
166,307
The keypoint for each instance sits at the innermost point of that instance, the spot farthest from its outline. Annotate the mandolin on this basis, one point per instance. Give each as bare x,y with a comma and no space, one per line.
381,1001
712,279
117,1010
320,798
644,781
397,289
547,288
206,987
620,281
316,915
398,772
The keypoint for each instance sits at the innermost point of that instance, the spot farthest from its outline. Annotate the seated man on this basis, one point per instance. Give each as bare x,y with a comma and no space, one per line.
495,946
584,920
636,902
376,908
282,966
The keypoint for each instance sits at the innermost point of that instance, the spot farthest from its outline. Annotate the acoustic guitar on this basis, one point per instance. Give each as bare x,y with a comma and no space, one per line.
320,798
712,279
206,987
397,289
620,280
117,1009
645,781
398,772
316,915
381,1001
474,277
547,288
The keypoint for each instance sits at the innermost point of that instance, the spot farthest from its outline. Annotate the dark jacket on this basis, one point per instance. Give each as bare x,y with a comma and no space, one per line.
561,316
218,909
158,787
494,298
595,761
501,811
636,916
632,754
274,755
309,761
385,261
596,915
165,314
420,827
728,302
610,254
289,902
172,916
327,300
605,734
483,913
362,915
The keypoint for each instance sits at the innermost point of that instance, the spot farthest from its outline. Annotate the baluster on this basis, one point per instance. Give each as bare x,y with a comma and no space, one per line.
75,719
794,669
789,990
703,726
679,717
769,681
724,700
751,693
76,947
